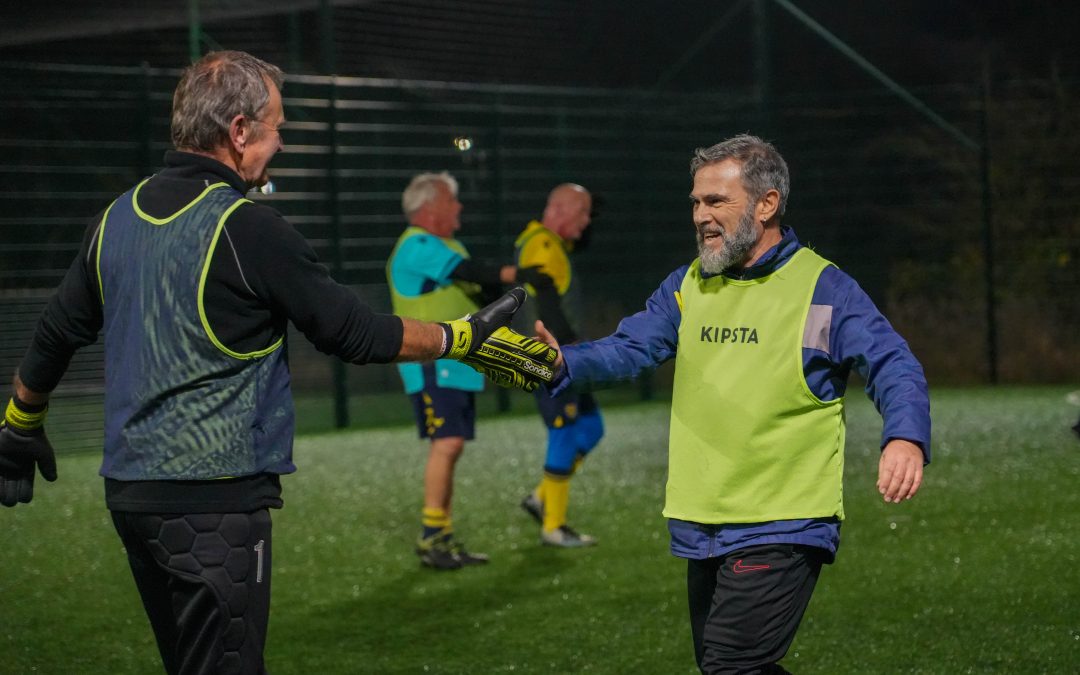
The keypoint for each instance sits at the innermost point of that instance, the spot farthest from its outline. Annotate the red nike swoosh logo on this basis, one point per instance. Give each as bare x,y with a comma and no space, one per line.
739,568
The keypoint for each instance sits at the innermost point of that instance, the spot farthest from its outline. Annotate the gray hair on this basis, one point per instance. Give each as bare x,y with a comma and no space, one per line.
763,168
212,91
421,190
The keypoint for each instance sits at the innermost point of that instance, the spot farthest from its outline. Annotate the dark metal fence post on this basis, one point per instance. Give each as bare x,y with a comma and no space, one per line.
194,31
502,396
561,144
328,48
144,162
635,140
295,41
341,385
647,386
328,55
763,70
988,228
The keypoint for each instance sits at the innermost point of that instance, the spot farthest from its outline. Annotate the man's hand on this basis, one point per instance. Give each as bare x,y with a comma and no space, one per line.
900,470
534,277
24,450
547,338
465,335
510,359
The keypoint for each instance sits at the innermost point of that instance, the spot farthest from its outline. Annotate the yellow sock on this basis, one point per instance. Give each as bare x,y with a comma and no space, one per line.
538,491
434,520
556,491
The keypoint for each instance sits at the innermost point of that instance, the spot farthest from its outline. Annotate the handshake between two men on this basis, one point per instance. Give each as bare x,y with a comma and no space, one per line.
483,341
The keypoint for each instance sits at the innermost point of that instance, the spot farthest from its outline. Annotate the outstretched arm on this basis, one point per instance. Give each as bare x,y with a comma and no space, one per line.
640,343
421,341
460,338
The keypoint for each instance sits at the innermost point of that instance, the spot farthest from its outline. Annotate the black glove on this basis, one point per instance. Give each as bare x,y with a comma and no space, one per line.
24,448
534,277
465,335
510,359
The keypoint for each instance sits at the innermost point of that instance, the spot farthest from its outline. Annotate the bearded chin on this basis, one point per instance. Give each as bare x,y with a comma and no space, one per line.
735,249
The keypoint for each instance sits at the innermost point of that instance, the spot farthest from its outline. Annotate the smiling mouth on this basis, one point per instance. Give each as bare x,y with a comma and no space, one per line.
709,235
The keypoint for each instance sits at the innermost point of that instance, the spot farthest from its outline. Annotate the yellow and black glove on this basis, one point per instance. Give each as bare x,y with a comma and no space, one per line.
508,359
464,335
24,450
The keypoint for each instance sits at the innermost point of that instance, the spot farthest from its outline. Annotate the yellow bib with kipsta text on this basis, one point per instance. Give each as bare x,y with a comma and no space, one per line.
749,441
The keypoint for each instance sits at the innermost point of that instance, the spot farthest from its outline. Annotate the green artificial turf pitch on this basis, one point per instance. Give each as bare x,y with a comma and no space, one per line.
977,574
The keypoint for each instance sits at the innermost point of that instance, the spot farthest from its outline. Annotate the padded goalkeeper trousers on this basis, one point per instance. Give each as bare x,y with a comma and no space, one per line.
205,584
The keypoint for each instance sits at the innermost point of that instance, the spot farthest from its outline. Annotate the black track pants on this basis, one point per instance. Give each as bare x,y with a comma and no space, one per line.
746,606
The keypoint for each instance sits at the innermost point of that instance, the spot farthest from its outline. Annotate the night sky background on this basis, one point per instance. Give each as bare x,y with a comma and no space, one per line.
690,45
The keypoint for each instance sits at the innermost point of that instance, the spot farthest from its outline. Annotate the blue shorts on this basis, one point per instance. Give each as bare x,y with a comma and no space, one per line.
444,413
574,428
558,411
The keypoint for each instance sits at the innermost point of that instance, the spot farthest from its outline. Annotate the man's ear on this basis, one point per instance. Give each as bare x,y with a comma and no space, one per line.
767,206
240,130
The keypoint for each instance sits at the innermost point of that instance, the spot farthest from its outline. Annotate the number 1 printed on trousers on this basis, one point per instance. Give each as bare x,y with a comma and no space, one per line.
259,564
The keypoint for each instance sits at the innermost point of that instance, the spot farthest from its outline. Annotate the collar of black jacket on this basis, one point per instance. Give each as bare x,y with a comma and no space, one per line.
179,164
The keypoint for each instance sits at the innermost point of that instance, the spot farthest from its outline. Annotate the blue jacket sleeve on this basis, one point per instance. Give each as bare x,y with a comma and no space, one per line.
640,343
862,339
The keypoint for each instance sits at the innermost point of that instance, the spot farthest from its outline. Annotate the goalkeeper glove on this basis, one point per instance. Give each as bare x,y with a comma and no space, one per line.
23,448
510,359
465,335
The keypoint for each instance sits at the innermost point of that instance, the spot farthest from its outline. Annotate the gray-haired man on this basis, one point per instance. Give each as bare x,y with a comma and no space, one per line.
764,333
193,286
432,277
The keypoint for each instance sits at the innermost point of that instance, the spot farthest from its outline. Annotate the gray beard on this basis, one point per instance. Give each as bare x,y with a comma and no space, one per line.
735,249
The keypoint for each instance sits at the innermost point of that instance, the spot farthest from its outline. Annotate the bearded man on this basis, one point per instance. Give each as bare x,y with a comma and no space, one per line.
764,333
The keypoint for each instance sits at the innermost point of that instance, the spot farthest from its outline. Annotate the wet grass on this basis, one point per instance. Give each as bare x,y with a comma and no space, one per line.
977,574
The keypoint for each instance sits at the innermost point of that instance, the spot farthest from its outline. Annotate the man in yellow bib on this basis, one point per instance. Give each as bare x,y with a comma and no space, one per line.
573,420
430,274
764,333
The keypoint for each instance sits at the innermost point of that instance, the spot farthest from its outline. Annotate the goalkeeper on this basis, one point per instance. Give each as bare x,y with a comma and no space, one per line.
432,277
193,287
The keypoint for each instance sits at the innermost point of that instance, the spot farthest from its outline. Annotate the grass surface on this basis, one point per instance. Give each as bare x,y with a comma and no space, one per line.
977,574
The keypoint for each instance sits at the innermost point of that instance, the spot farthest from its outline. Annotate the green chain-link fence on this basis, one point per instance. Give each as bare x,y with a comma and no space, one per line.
875,187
